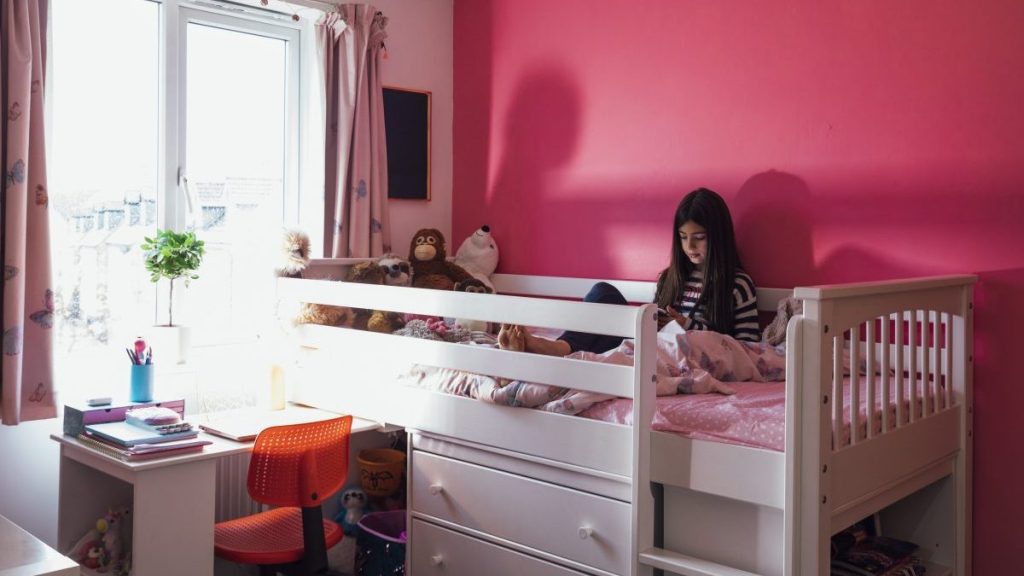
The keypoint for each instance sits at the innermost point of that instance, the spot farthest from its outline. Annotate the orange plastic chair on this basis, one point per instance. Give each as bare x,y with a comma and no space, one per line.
295,468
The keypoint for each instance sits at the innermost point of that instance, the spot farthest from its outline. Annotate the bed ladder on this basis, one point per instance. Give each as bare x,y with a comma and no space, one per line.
687,565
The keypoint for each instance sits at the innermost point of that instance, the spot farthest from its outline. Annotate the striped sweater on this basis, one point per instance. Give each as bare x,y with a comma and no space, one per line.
744,297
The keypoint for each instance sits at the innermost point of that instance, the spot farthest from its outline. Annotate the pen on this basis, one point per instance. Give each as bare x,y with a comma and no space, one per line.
131,356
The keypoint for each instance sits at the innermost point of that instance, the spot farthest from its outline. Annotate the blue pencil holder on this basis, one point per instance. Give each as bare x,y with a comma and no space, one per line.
142,383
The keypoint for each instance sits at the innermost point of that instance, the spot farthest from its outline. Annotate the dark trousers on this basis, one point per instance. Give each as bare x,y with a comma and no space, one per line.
603,293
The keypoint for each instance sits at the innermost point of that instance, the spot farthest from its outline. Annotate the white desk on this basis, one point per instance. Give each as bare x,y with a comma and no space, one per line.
173,500
22,554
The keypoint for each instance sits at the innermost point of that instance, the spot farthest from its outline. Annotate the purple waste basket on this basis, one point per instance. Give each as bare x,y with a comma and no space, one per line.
380,544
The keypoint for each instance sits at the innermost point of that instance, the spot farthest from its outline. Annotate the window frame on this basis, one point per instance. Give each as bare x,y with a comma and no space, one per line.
177,206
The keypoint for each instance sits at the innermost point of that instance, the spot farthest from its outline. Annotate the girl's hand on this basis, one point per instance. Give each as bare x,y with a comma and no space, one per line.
671,315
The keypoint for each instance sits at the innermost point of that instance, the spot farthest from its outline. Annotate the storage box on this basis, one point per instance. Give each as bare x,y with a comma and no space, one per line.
380,544
77,416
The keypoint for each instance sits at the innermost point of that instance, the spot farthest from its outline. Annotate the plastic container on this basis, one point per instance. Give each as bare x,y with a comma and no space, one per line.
141,383
380,470
380,544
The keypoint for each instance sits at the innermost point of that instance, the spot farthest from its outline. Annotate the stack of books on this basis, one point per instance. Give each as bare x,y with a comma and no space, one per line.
857,552
150,432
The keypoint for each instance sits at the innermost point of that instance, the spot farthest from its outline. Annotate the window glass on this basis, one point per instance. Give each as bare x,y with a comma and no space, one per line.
233,118
235,156
103,176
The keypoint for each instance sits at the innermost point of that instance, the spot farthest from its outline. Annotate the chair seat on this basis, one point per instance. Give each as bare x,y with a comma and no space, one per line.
271,537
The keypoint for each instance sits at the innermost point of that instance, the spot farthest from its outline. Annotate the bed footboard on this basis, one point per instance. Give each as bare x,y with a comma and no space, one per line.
879,406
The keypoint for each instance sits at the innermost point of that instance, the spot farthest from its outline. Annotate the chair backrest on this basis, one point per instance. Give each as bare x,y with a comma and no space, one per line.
299,464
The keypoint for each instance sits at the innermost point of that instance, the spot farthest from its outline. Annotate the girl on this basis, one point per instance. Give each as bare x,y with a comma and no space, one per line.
704,287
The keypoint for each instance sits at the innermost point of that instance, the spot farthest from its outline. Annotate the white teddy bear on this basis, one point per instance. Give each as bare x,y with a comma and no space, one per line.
478,255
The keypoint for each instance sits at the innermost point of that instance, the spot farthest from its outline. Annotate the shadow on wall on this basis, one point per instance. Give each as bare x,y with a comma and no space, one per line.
540,131
776,216
549,227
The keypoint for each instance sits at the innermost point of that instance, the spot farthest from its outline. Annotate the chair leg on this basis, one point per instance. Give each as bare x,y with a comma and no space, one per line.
315,559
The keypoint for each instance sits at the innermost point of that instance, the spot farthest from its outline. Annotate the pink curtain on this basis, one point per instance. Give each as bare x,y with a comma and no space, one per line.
28,392
350,44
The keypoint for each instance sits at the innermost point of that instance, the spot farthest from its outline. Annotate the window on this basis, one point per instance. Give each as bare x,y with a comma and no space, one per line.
176,115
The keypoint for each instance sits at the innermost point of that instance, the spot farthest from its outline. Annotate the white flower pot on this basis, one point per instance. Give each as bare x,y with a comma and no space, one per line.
170,344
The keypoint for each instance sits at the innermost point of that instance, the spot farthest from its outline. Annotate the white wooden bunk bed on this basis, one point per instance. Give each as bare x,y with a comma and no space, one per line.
501,490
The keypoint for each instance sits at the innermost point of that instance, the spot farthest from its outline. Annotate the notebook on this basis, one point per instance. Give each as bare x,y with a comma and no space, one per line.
127,434
244,425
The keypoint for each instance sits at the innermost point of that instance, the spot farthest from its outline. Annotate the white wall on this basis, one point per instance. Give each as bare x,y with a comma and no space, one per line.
419,47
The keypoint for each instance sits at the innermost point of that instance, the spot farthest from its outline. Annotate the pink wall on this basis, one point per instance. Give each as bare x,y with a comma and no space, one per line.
853,140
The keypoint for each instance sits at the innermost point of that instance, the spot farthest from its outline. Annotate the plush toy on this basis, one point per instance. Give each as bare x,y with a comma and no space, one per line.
112,539
478,255
294,256
100,548
473,285
430,268
373,320
437,329
324,314
94,558
352,507
82,549
397,270
292,261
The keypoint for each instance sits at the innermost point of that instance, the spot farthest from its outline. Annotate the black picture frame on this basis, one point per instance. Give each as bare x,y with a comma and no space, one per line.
407,129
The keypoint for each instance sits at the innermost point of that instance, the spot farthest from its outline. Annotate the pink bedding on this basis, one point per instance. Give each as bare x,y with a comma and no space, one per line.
754,416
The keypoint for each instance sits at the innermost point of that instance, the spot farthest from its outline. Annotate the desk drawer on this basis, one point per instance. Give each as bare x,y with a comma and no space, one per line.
438,551
589,529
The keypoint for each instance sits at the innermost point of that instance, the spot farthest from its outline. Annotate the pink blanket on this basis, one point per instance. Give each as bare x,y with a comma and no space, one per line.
696,362
754,416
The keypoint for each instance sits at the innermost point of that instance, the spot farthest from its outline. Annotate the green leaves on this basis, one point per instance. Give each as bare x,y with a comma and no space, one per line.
173,255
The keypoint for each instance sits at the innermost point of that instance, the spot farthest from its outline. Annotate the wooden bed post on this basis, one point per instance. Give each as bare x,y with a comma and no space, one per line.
808,441
644,398
963,385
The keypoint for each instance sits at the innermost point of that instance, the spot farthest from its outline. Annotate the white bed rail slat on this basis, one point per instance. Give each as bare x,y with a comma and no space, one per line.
937,361
886,376
926,387
580,316
910,319
373,347
869,362
854,385
901,417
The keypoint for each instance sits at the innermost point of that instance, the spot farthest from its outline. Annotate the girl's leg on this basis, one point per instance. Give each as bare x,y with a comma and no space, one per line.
602,293
515,338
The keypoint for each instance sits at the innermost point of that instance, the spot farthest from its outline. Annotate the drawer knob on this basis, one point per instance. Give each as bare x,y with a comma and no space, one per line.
585,532
436,489
437,560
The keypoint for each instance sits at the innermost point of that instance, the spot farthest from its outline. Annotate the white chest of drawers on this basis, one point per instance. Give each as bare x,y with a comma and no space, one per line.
473,513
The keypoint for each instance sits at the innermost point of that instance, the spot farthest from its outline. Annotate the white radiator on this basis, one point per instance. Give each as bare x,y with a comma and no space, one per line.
232,495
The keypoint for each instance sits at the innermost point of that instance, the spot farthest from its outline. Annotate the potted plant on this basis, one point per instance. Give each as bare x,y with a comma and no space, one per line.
172,255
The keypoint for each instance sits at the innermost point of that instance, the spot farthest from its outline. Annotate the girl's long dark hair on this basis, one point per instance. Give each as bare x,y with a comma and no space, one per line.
708,209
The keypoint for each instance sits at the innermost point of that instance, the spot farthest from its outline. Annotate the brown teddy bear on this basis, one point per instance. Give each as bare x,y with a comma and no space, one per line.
430,268
373,320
